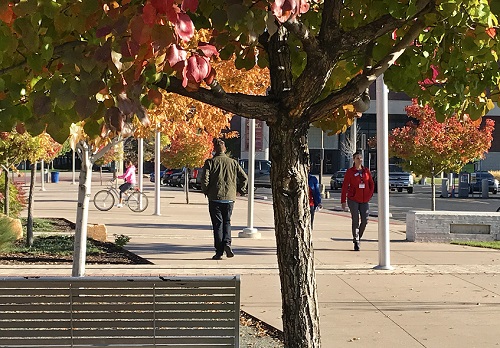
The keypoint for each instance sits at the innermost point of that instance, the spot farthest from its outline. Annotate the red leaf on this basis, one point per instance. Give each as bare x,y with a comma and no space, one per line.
491,32
211,76
190,5
198,68
6,13
155,96
103,31
184,27
394,34
284,10
141,33
149,14
207,49
129,48
162,6
116,119
175,54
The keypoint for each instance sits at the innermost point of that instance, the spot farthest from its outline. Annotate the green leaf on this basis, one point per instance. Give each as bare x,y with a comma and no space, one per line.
66,100
219,19
92,128
35,62
235,13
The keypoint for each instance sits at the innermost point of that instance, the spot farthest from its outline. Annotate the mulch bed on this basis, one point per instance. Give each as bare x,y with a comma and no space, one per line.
112,254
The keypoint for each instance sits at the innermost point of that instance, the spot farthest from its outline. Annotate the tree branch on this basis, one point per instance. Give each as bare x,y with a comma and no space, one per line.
249,106
358,85
379,27
302,32
330,21
57,51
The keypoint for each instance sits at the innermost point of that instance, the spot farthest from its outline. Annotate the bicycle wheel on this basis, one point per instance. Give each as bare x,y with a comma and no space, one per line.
137,201
104,200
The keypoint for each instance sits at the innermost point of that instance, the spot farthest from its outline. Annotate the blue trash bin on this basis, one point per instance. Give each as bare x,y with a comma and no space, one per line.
54,177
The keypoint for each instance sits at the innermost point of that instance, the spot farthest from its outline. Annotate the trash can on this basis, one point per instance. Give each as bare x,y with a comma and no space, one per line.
46,175
54,177
463,185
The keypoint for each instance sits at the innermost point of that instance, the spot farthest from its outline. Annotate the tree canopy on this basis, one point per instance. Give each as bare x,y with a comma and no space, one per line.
103,64
429,147
122,51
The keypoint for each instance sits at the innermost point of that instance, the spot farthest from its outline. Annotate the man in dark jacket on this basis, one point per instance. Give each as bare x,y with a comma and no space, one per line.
222,178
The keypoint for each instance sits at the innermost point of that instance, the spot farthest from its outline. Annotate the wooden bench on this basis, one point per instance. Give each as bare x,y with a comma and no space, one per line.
120,312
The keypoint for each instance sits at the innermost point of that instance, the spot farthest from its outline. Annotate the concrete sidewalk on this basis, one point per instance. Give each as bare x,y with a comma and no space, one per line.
438,295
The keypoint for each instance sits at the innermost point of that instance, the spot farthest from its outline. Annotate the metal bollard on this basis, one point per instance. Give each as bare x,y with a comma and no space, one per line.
484,188
444,188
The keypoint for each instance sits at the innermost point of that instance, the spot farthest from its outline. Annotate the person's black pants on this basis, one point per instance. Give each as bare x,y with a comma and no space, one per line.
313,210
220,213
357,210
124,188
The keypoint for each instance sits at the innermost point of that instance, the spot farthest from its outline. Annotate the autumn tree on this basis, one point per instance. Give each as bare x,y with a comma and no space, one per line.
102,63
14,148
429,147
39,148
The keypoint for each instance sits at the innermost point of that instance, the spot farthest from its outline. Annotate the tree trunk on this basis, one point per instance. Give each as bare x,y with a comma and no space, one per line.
433,190
293,235
82,211
29,221
186,183
7,193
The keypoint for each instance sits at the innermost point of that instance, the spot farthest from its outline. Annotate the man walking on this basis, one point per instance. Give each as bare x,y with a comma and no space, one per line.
222,178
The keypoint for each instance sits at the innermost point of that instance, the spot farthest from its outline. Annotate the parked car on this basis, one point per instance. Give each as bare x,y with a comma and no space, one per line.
152,175
262,174
194,178
476,182
172,177
398,179
337,179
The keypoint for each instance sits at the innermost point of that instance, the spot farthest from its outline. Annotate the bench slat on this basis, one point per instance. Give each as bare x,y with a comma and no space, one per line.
33,300
119,312
36,342
32,324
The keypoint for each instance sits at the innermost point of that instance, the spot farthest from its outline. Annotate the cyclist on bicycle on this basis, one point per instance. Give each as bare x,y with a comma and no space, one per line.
129,177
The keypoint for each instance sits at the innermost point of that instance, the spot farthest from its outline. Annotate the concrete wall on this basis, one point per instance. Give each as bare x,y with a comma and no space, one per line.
445,226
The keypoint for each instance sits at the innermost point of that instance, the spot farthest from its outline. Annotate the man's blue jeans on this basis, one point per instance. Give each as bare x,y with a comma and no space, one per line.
220,213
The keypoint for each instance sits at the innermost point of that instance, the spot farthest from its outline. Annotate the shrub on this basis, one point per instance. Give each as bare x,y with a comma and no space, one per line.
496,174
17,198
7,235
121,240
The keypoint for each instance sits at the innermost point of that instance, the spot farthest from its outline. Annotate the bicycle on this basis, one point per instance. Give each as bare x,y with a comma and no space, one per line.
105,199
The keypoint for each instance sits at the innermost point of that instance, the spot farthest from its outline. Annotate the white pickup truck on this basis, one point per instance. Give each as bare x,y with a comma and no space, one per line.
398,179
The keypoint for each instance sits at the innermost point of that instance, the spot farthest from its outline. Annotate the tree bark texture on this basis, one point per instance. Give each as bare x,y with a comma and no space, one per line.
293,234
7,193
31,201
82,211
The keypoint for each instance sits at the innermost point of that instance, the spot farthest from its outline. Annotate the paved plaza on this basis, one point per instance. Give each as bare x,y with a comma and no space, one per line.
438,295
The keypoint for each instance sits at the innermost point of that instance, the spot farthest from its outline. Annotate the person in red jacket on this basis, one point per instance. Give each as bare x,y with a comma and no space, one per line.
357,190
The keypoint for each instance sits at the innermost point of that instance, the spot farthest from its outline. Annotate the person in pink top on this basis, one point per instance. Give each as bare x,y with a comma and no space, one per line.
129,177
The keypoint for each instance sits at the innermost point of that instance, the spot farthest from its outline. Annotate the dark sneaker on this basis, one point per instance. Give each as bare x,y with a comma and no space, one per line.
217,257
356,246
229,251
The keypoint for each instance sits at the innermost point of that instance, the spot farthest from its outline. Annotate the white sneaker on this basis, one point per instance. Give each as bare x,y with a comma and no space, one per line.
119,205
